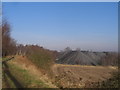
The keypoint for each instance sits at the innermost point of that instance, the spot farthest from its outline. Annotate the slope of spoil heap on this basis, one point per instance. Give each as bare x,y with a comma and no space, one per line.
81,57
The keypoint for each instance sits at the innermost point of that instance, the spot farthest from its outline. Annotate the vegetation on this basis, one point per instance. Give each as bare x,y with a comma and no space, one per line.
8,44
6,80
110,59
16,77
24,78
41,57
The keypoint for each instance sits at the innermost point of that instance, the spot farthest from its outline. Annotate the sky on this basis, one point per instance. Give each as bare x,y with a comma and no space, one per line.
57,25
60,1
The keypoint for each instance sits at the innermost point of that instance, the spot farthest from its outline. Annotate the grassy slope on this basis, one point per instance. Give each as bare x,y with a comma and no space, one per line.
24,78
41,57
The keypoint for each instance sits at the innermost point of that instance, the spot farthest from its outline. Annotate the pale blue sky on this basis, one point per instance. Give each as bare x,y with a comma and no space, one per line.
87,25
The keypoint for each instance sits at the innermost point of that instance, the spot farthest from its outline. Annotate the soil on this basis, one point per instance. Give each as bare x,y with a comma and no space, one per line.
77,76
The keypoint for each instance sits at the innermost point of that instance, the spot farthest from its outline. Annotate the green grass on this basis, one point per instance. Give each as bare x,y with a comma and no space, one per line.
10,82
3,58
7,80
25,79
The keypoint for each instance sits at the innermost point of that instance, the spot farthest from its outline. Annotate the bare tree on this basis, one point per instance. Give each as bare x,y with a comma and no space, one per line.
8,44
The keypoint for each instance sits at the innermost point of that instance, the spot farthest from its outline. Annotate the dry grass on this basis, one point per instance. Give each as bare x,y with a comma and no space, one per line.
24,63
67,65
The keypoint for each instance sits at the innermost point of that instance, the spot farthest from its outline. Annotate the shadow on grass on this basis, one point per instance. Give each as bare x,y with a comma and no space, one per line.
7,72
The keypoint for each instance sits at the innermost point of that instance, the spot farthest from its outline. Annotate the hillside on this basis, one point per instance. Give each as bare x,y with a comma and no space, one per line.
87,58
27,75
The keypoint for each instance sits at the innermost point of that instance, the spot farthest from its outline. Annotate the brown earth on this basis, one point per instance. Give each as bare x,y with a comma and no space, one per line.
79,76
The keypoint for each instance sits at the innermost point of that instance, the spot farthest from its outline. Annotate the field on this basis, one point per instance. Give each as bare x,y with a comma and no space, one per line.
80,76
27,75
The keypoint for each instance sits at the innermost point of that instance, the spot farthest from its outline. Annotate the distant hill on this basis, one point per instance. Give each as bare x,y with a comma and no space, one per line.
87,58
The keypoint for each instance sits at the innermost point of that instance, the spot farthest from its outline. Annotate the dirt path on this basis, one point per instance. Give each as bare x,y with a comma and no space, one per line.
26,64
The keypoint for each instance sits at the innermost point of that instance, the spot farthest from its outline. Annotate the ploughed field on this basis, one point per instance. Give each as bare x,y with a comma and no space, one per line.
80,76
